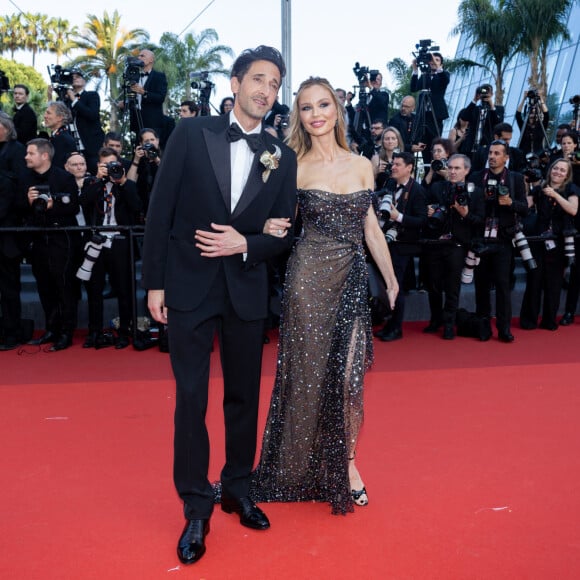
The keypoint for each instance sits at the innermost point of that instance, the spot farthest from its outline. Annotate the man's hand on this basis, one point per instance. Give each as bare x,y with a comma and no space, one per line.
156,305
504,200
225,241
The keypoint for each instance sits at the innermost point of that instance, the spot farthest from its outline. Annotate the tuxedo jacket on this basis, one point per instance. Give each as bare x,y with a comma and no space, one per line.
86,114
192,191
414,218
127,202
64,144
437,83
152,102
25,123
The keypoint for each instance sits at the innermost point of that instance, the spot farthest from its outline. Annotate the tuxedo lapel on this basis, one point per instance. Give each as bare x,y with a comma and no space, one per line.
219,153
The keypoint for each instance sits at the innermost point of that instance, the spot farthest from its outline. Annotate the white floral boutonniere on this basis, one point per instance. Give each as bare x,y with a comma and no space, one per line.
270,161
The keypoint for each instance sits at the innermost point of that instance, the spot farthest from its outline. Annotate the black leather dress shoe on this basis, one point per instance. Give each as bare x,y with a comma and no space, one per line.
448,332
392,335
63,342
191,545
44,339
122,341
567,319
251,515
506,336
90,340
432,327
10,343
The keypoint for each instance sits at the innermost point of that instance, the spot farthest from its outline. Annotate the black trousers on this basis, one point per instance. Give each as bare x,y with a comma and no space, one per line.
54,261
445,263
114,261
495,269
191,336
545,280
400,264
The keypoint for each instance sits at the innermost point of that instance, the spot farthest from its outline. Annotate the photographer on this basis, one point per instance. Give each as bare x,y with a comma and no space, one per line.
378,98
391,143
53,202
533,128
505,204
483,117
144,167
455,211
557,204
501,132
110,201
24,117
441,151
57,118
403,213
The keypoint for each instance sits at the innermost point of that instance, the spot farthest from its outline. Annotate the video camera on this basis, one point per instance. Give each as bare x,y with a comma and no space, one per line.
423,55
61,79
533,96
132,71
484,92
201,83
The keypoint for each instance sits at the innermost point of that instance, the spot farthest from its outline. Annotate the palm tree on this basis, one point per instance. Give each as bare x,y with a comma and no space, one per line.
194,53
36,30
12,35
494,32
540,23
106,45
59,37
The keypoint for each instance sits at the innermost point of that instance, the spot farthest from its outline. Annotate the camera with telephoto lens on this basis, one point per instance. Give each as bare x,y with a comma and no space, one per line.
200,80
569,247
115,170
40,204
151,152
471,261
532,171
575,100
438,164
533,96
92,252
484,93
132,72
460,193
493,190
520,242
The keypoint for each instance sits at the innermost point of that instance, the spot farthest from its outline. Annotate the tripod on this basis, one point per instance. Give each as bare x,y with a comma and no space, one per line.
361,125
533,107
425,127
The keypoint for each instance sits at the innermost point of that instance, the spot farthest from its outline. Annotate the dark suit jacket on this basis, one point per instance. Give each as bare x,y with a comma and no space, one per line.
152,103
405,127
64,144
9,217
127,203
414,219
192,190
492,118
25,123
437,83
86,114
379,105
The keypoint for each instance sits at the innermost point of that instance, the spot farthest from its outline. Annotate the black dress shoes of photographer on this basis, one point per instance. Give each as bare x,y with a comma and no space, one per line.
505,336
44,339
390,335
251,515
63,342
567,319
122,341
191,545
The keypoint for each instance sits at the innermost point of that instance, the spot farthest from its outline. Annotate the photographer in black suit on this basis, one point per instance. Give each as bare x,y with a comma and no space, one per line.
483,116
86,127
112,200
378,98
505,205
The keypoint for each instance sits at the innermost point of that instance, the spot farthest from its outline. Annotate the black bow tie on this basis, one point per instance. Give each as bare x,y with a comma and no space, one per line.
145,74
235,133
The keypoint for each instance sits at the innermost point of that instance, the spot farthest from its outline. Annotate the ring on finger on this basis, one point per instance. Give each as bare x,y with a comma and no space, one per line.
280,232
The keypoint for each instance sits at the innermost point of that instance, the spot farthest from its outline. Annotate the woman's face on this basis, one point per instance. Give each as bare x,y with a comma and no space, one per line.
390,141
150,138
558,173
228,106
318,113
568,145
439,152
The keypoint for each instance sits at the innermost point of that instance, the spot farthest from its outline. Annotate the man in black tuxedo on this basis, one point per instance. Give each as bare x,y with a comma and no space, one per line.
150,91
25,120
86,121
204,265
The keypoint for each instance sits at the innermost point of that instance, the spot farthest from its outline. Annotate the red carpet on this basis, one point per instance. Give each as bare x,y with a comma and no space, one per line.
469,453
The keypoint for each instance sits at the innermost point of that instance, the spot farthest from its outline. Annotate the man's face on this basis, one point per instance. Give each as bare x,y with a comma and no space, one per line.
456,171
51,119
505,136
76,165
113,144
378,82
184,112
559,134
147,57
377,130
401,171
256,92
20,96
407,106
78,82
497,158
435,62
34,159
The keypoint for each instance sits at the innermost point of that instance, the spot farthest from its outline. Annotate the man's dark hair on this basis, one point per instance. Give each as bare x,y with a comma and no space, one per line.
245,60
408,158
502,143
113,136
191,105
440,56
573,135
502,128
26,89
107,152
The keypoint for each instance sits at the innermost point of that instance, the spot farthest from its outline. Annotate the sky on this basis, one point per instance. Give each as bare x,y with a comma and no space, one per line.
328,36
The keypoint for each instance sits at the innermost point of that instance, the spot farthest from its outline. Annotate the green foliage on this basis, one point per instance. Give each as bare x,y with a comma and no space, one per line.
25,75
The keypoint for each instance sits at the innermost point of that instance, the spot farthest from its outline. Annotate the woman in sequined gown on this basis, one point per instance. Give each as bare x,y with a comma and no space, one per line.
325,343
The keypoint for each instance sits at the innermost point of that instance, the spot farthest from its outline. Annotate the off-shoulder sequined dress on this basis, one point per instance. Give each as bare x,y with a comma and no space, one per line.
324,350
